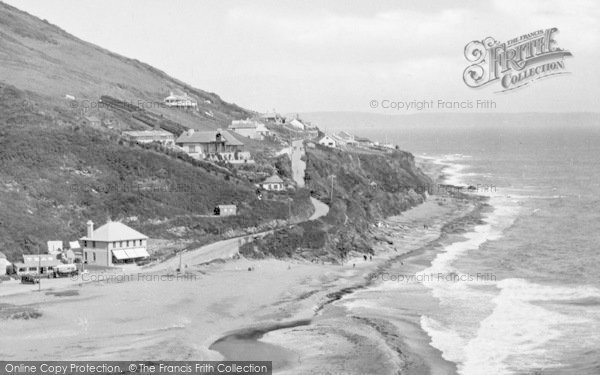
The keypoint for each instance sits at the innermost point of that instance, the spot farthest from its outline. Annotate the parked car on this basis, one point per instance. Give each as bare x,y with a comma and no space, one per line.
65,270
30,279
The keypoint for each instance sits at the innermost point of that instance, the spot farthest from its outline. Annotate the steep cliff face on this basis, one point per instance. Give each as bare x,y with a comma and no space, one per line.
367,187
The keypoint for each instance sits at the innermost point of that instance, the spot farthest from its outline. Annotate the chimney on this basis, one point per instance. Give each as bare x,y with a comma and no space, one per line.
90,229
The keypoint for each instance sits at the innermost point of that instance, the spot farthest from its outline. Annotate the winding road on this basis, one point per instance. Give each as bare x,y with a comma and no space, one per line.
226,249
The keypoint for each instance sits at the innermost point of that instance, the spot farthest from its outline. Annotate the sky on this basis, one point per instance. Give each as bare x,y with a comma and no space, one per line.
340,55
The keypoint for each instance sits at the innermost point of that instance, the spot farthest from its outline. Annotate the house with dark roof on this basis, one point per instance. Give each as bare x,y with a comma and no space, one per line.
210,144
113,244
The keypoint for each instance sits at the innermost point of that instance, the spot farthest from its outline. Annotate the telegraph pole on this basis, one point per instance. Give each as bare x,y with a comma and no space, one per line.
331,192
39,270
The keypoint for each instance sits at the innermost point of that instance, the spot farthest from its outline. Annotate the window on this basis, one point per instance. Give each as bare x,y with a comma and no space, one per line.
120,243
84,243
94,244
94,254
86,257
127,243
114,245
191,148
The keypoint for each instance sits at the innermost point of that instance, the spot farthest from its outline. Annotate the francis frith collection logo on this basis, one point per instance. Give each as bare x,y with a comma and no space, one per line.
515,63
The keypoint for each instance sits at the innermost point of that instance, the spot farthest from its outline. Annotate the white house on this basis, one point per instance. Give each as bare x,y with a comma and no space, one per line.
183,101
148,136
297,124
42,264
113,244
54,247
262,129
327,141
247,128
274,183
4,264
347,138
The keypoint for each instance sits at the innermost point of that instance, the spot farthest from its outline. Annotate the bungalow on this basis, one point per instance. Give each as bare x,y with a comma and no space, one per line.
363,141
262,129
203,144
4,264
148,136
247,128
113,244
226,210
347,138
180,101
274,183
42,264
327,141
296,123
273,118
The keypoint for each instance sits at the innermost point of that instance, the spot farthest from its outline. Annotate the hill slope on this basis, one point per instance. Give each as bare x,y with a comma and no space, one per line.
39,57
56,173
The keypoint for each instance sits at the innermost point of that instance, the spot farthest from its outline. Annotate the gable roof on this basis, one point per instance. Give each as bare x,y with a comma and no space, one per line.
114,231
297,123
273,179
209,136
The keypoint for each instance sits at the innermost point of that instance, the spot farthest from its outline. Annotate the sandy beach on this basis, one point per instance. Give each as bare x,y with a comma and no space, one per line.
234,309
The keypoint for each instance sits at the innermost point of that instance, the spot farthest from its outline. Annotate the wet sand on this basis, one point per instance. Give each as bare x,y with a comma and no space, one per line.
222,310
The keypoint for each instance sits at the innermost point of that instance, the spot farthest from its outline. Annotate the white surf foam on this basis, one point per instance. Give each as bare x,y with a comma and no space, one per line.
516,333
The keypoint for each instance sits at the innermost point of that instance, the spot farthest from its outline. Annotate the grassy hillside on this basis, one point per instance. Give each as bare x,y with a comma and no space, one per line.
367,187
39,57
55,173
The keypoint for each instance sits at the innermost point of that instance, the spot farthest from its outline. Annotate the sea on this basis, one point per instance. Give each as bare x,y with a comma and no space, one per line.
520,292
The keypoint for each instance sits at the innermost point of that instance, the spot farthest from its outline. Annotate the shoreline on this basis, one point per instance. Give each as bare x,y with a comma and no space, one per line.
233,301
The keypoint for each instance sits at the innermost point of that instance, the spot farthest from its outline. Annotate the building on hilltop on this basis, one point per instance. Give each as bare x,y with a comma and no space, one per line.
328,141
180,101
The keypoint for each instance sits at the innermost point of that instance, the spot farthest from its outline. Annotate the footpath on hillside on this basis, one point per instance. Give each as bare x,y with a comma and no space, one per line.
230,247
